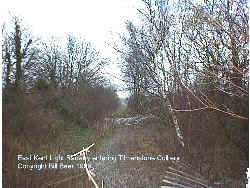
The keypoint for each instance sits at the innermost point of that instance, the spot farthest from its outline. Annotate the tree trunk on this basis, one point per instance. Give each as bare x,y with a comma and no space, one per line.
18,53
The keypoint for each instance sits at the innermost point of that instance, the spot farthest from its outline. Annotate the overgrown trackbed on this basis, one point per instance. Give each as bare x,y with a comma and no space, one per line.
133,139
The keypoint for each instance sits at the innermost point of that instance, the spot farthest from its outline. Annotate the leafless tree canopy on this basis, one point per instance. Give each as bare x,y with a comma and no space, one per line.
201,48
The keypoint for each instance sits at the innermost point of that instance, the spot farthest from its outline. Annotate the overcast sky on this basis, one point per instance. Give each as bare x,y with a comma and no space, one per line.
92,19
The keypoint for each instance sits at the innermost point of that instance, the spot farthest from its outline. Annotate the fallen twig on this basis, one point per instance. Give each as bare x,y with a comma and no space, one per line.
83,153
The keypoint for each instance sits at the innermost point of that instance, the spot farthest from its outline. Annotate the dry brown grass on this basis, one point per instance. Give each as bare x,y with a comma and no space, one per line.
35,124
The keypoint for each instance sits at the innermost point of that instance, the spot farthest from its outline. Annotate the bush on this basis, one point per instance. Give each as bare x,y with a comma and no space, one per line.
42,84
94,103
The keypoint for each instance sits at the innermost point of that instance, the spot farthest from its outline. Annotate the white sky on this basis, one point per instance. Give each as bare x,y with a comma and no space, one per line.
92,19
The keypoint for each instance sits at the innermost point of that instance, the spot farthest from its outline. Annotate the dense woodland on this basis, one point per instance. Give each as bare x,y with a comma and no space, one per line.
186,64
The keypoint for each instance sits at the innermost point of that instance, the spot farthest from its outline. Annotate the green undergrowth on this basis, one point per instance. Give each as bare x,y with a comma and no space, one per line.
75,138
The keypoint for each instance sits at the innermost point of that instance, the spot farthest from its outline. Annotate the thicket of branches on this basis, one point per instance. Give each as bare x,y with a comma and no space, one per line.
188,65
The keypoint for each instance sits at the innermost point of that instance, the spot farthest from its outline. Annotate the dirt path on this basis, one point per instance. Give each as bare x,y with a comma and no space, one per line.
133,140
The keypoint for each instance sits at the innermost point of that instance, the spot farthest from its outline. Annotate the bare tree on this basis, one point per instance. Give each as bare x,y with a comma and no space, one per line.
18,52
218,35
83,63
149,58
6,56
